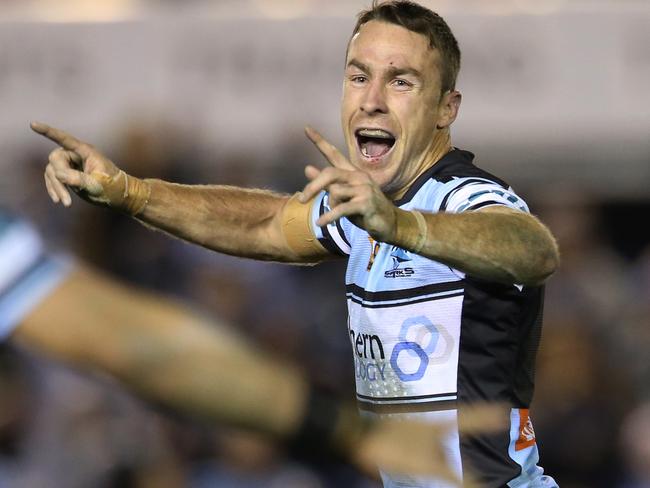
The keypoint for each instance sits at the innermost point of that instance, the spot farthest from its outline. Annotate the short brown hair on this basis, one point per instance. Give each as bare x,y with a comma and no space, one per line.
417,18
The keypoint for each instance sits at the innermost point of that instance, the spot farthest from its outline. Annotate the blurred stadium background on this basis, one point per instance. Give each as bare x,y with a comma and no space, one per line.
556,101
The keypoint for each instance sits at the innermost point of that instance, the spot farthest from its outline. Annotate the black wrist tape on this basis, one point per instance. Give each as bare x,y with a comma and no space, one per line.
325,414
315,436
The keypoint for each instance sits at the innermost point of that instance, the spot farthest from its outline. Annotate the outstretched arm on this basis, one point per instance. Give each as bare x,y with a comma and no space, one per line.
164,351
167,353
495,243
237,221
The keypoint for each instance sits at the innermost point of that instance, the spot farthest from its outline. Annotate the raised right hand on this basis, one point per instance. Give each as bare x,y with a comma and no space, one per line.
90,174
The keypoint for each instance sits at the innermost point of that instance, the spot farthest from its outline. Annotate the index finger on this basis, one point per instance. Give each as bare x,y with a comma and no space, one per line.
61,137
331,153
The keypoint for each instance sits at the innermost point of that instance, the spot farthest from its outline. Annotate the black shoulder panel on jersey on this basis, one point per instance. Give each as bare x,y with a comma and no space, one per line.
500,332
456,163
460,164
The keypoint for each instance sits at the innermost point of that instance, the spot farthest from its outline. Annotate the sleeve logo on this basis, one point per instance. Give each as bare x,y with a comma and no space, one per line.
526,432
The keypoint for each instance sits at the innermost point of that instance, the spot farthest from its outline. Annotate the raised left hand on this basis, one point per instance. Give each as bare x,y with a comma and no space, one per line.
352,193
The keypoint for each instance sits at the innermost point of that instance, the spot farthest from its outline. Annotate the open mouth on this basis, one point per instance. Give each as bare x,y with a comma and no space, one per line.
374,143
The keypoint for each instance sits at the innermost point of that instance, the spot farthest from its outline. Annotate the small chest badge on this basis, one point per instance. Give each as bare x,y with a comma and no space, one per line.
399,257
374,249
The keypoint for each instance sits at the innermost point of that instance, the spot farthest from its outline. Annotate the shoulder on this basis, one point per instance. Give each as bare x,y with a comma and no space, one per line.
460,164
456,167
456,184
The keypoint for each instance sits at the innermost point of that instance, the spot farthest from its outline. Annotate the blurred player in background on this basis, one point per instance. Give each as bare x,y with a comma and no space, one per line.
445,262
163,351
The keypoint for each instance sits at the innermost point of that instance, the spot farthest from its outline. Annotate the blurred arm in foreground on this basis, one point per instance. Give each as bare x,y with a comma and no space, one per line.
169,354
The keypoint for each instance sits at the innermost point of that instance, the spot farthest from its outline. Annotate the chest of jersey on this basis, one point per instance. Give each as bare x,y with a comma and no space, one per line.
404,324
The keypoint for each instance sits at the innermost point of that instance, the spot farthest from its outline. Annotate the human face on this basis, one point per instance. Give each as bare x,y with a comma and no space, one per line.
392,110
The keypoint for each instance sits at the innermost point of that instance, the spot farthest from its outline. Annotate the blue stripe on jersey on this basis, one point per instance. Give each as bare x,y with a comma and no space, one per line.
29,290
27,274
465,182
463,194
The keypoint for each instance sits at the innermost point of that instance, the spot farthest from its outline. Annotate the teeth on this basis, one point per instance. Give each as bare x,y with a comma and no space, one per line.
375,133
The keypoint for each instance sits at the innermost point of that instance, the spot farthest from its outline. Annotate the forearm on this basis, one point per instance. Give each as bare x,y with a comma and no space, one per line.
499,245
192,367
231,220
164,352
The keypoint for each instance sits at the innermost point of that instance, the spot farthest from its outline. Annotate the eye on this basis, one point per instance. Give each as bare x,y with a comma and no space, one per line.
402,84
358,79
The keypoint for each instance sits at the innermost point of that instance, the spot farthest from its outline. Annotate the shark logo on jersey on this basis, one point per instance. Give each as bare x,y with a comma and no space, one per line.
399,257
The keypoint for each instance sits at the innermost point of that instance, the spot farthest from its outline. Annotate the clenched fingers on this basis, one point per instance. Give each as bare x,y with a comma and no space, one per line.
57,191
339,193
63,159
80,180
61,173
50,190
60,160
321,180
346,209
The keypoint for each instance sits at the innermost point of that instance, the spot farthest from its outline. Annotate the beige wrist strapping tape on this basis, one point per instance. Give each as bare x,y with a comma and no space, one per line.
297,231
136,194
411,230
123,192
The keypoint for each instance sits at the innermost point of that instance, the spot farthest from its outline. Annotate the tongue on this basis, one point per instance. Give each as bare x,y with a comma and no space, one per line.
374,149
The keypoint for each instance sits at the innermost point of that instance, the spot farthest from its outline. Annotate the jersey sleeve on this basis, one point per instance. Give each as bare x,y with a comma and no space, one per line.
467,194
334,237
27,273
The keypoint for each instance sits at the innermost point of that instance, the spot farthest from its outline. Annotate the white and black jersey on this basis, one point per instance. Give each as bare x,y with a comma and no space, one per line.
27,273
427,338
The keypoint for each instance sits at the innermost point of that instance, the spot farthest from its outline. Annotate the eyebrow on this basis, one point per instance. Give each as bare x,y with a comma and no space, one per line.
358,64
392,72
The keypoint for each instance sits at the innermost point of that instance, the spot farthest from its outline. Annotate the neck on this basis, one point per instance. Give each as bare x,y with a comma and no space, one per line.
440,146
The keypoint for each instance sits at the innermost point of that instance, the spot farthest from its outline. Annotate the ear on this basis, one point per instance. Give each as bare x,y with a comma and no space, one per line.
448,108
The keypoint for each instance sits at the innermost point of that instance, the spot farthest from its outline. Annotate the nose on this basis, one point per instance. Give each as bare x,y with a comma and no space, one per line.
374,100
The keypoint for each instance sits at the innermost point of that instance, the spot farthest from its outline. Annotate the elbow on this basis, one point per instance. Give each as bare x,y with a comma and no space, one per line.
545,262
547,266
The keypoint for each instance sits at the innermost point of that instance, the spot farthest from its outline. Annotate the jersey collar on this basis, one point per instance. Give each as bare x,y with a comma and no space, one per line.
455,156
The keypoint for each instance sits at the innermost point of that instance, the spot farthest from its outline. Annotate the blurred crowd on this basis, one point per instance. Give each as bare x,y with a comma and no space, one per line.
64,428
